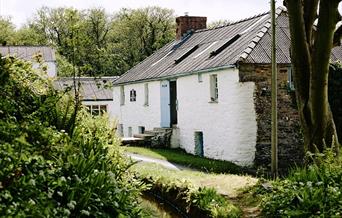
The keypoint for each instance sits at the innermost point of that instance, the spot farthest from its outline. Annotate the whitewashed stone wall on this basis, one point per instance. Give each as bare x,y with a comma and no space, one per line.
135,114
51,68
229,127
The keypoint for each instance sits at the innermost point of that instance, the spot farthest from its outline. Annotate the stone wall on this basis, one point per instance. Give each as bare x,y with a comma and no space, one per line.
289,134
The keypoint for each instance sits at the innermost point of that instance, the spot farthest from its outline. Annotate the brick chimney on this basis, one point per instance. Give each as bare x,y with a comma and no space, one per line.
189,23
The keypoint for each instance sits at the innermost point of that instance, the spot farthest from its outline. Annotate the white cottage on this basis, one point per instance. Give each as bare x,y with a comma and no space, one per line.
29,52
96,93
212,87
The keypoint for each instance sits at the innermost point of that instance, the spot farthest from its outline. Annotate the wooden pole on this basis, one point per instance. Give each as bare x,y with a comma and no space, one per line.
274,140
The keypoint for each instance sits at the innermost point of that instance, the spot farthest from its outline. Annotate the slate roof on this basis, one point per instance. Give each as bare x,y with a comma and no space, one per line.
91,89
193,53
253,45
27,52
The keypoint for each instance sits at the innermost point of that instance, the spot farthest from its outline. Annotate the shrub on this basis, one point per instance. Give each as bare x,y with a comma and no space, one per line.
217,206
313,191
191,201
47,172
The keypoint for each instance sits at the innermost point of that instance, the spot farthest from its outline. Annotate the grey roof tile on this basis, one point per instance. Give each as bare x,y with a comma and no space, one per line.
91,89
28,52
253,46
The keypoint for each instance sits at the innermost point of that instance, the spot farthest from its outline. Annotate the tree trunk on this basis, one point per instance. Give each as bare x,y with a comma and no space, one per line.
310,56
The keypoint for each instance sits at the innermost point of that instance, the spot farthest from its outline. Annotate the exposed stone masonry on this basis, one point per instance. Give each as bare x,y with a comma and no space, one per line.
290,139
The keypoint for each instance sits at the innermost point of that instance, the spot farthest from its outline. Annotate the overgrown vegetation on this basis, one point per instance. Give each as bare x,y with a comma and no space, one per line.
180,157
195,202
106,44
45,170
312,191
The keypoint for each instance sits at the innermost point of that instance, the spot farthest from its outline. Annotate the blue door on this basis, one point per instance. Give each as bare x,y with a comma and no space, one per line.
165,104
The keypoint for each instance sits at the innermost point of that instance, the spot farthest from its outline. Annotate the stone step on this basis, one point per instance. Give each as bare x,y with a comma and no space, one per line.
132,140
161,129
151,132
143,136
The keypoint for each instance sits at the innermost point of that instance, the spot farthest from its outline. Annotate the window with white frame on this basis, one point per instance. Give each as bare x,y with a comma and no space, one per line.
213,88
132,95
130,133
97,110
199,77
146,95
122,95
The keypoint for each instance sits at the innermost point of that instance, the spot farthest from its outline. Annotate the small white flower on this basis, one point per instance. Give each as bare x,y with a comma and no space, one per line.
71,204
32,182
31,202
63,179
60,193
85,212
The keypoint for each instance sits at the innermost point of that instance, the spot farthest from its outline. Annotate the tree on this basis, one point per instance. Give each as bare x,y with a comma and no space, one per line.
27,36
311,47
7,31
139,32
218,23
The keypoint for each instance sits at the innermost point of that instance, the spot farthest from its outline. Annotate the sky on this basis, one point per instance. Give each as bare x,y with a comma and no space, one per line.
232,10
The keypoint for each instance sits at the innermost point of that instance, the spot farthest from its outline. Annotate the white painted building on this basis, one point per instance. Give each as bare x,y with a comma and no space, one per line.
96,93
29,52
211,86
192,85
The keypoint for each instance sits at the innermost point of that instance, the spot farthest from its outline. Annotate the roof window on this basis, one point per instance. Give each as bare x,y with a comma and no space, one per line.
186,54
225,45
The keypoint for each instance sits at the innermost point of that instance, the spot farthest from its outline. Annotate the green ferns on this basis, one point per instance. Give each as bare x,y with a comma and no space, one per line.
313,191
44,170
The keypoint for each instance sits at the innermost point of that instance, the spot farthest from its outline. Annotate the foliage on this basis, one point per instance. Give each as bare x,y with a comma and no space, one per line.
314,32
218,23
204,202
105,44
64,67
44,171
313,191
139,32
209,200
7,31
189,160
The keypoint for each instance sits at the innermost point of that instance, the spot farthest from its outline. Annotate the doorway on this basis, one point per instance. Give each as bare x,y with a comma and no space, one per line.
173,103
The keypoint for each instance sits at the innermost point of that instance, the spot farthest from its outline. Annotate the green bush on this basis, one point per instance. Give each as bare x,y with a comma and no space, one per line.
45,170
217,206
313,191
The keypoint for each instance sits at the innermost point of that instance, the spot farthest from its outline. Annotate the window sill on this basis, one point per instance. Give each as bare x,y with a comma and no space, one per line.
213,102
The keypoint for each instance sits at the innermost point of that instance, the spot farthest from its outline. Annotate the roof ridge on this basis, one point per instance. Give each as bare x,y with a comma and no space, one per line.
259,35
234,22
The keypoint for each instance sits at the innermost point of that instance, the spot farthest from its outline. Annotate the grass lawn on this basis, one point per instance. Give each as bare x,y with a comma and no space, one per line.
180,157
229,185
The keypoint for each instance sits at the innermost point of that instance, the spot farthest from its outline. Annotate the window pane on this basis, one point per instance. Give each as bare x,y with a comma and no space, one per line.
146,94
103,109
95,110
213,88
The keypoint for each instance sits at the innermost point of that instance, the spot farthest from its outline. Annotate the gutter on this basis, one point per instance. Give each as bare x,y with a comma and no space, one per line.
209,70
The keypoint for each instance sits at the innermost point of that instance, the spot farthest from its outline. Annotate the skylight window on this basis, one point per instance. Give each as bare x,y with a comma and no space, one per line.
211,45
225,45
186,54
